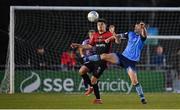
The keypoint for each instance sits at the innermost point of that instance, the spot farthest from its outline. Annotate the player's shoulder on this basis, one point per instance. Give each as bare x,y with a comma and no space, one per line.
96,34
131,33
86,41
109,33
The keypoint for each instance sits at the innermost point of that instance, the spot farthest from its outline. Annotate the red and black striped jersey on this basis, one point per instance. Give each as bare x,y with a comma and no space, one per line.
98,40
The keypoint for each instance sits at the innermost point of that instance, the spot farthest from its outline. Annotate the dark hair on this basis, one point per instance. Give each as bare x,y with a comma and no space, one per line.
101,20
90,31
40,47
138,21
132,26
111,25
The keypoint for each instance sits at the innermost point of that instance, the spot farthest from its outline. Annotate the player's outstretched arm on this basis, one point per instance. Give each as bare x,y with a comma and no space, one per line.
76,45
81,51
115,38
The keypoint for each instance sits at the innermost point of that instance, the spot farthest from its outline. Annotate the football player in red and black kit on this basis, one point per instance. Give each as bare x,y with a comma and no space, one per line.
98,41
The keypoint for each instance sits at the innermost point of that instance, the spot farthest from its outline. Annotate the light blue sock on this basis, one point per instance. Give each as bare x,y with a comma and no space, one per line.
139,91
92,58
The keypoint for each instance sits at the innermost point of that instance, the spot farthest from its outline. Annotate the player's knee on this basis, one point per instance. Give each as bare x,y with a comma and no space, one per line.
103,56
134,82
94,80
82,71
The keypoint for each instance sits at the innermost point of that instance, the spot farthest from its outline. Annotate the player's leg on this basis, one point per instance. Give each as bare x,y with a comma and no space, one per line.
94,85
83,72
95,79
89,67
94,82
111,57
85,85
134,80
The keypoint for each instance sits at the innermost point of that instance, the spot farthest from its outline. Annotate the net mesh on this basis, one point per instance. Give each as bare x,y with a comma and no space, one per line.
44,61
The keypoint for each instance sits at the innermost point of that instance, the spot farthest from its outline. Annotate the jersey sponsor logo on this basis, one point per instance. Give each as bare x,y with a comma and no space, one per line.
100,39
100,45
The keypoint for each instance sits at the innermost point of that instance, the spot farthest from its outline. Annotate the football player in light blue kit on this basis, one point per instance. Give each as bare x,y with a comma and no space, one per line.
86,52
129,57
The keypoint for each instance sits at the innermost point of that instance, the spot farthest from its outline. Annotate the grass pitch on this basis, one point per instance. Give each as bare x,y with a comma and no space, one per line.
79,101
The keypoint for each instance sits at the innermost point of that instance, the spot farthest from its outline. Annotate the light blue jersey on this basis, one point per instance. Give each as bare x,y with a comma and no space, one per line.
134,46
88,52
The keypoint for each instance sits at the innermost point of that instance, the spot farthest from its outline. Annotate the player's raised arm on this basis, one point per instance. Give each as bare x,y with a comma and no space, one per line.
143,30
114,37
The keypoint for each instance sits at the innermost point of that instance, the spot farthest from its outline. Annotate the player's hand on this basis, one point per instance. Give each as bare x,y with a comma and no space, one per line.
75,45
142,24
107,40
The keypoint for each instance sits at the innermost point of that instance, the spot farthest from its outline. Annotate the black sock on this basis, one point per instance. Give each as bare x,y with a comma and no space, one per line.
85,84
96,90
86,78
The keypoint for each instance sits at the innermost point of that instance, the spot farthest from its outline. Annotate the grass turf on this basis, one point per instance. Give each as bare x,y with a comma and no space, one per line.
79,101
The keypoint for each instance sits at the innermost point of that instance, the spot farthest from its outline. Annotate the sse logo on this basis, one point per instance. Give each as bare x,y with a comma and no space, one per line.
33,83
58,85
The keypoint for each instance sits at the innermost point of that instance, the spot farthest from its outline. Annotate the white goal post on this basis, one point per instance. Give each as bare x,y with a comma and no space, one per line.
12,27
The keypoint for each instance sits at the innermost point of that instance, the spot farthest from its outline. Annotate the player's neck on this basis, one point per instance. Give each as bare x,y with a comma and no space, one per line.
137,33
101,32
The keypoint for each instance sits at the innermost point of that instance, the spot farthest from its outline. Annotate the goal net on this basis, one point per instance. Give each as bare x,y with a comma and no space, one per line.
40,59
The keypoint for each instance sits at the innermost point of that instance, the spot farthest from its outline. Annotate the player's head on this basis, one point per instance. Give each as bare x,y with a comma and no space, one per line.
90,33
101,25
138,26
40,50
112,28
159,50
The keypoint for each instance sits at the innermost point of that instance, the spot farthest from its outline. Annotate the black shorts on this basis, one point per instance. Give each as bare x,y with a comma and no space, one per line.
96,68
125,62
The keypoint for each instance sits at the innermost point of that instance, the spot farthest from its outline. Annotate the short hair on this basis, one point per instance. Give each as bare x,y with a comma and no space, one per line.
139,21
101,20
40,47
112,25
91,31
132,26
159,46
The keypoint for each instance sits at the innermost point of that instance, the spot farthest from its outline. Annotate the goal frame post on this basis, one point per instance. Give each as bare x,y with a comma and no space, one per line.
12,26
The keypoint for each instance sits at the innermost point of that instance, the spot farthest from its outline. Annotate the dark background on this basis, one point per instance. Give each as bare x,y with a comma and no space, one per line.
4,11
